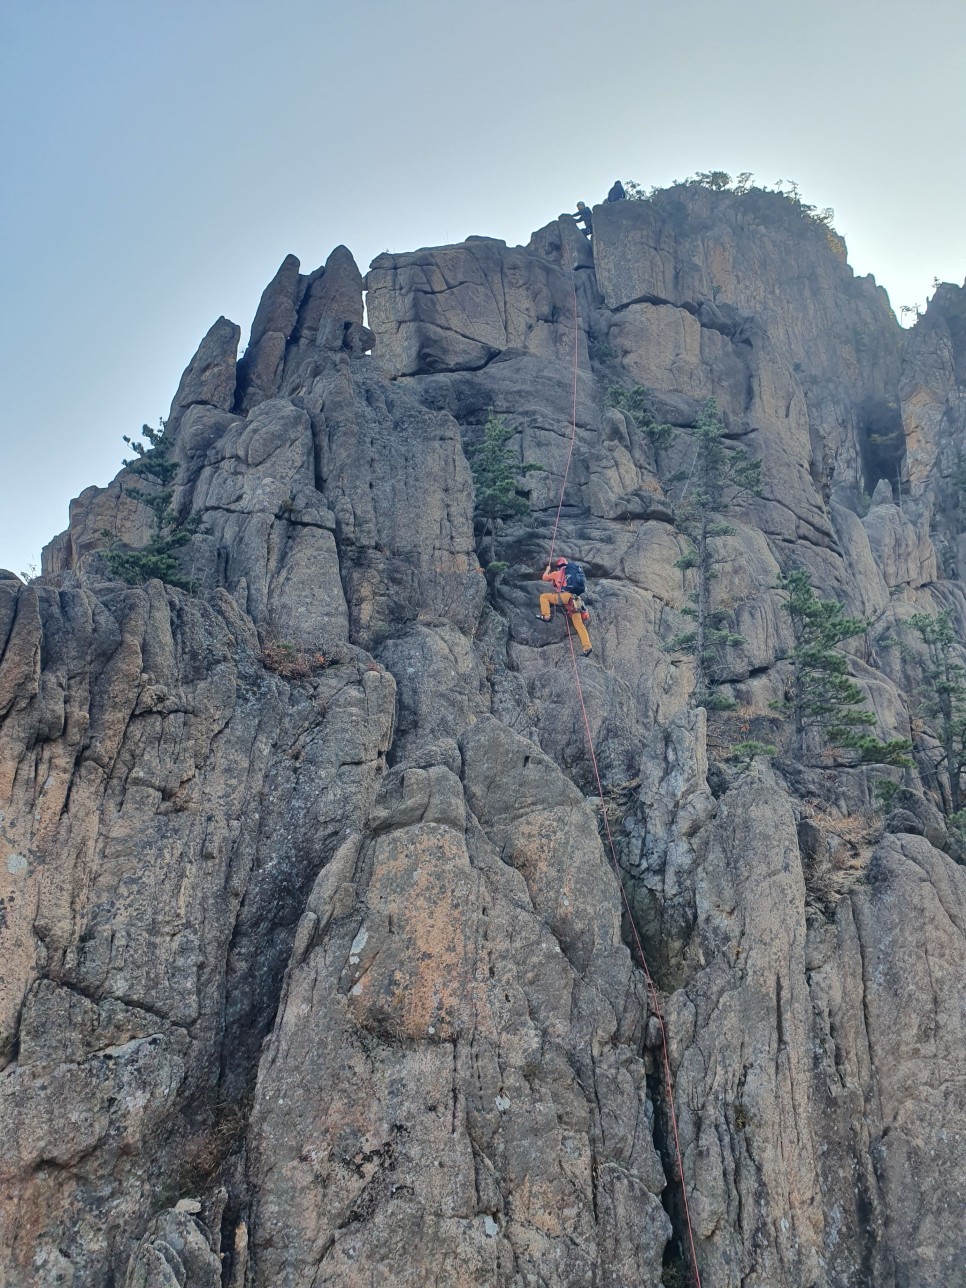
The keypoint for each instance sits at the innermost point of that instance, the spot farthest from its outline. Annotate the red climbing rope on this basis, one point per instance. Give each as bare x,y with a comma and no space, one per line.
652,989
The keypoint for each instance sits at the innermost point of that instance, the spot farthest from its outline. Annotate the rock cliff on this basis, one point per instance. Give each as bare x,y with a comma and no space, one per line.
316,968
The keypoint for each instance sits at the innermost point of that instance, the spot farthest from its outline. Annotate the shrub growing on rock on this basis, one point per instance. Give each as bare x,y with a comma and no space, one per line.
157,559
822,698
943,697
496,481
635,402
707,491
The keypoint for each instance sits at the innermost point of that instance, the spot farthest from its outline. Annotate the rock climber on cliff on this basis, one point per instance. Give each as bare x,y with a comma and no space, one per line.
584,219
568,579
617,192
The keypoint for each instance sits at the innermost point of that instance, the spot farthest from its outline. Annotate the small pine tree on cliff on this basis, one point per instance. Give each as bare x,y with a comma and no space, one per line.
718,477
943,696
636,402
496,480
153,464
822,698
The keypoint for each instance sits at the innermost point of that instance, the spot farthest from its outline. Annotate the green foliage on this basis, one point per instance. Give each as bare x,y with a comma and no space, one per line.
716,180
743,752
152,464
496,478
958,486
873,752
716,699
155,560
823,698
635,402
884,790
740,185
956,824
718,477
943,695
600,352
720,473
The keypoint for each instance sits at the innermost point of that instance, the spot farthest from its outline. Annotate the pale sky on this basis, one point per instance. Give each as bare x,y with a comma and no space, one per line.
161,157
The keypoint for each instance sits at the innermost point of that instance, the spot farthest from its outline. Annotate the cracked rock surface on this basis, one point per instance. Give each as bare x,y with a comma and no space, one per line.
315,966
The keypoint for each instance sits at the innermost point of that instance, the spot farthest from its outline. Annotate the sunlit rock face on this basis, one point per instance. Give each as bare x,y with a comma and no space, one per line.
316,969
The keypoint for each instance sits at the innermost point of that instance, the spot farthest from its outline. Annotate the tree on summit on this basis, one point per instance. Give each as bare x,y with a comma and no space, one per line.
716,180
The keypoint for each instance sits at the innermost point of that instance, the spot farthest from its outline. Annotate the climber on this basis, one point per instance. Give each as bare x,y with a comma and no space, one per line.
569,582
585,220
617,192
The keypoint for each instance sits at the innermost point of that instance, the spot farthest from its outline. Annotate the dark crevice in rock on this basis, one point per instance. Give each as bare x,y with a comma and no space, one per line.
883,444
646,298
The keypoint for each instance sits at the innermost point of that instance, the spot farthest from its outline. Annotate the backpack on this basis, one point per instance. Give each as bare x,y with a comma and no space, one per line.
574,579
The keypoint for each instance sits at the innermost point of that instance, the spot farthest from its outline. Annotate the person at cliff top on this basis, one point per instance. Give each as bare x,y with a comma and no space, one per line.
617,192
567,600
585,220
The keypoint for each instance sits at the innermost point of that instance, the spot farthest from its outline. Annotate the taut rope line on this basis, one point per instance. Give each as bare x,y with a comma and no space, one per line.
651,987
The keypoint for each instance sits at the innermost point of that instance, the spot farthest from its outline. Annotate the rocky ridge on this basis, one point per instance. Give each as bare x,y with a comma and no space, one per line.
315,969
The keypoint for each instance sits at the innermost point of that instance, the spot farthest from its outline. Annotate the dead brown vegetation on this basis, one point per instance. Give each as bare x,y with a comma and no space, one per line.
836,851
292,663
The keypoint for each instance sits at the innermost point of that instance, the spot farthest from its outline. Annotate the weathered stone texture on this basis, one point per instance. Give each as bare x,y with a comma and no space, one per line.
462,978
315,967
166,772
209,378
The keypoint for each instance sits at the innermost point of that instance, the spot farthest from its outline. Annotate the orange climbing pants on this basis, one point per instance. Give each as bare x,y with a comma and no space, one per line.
564,599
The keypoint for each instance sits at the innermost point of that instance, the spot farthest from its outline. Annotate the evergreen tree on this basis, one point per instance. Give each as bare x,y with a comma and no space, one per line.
823,698
635,401
153,464
744,752
719,475
943,697
496,477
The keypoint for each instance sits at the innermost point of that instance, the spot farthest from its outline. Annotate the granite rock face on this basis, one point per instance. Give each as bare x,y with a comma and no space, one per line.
316,968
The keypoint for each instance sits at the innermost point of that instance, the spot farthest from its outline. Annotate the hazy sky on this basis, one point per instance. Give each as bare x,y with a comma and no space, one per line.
161,157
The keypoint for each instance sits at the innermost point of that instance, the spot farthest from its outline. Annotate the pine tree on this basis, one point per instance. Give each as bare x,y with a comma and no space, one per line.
153,464
823,699
496,478
718,477
636,402
943,696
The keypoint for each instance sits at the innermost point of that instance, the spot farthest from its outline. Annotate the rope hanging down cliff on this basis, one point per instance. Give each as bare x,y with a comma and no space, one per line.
651,987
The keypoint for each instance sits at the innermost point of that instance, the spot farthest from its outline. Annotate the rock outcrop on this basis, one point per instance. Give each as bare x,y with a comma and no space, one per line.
316,968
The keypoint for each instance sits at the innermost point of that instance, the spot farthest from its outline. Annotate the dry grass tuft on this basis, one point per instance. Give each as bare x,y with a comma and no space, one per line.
292,663
836,853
